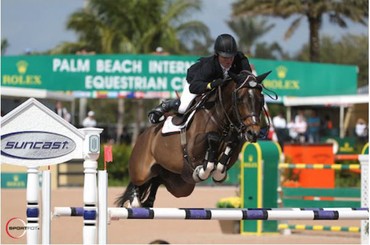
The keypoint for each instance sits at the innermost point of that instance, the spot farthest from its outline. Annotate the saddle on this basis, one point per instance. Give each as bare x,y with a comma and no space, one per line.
175,123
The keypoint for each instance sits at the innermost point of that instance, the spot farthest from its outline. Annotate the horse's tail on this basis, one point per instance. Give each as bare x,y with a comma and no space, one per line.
146,193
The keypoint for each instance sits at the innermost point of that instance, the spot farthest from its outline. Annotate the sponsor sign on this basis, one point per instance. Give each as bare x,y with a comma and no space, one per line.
123,75
32,135
13,180
36,145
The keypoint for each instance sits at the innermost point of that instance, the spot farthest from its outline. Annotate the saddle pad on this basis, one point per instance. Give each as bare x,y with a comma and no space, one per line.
169,127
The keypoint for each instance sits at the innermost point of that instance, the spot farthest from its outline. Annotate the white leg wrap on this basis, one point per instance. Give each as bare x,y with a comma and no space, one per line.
201,174
220,173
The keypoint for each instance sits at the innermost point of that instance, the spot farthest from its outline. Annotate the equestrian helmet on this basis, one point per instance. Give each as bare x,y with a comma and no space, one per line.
225,46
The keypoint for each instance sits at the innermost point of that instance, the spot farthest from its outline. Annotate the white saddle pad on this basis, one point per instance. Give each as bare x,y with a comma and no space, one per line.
169,127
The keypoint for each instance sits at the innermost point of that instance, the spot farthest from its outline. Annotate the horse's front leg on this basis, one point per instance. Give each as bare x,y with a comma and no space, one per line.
220,172
202,172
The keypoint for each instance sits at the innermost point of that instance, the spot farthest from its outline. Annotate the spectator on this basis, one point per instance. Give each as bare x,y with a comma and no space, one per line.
327,127
293,135
313,123
62,111
280,126
160,51
361,130
89,121
301,126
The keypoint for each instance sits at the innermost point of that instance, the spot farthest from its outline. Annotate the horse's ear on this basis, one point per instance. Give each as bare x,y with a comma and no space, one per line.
262,77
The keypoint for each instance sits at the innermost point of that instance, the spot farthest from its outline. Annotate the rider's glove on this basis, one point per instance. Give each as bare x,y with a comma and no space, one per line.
215,83
239,78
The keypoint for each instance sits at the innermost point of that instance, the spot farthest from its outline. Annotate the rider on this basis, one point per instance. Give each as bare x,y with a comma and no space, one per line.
204,75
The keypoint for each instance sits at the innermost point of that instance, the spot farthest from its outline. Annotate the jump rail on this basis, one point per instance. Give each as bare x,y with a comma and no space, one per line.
227,214
352,229
319,166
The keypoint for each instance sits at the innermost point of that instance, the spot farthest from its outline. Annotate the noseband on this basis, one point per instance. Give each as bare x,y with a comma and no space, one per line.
239,124
250,84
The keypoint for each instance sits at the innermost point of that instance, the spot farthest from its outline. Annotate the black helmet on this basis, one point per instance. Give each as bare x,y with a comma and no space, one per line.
225,45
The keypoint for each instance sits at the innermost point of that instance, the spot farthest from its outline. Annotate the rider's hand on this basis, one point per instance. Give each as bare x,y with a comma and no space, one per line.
215,83
239,78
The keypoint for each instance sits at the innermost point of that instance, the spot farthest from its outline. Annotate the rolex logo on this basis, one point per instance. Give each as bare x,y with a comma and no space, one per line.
281,71
22,66
250,158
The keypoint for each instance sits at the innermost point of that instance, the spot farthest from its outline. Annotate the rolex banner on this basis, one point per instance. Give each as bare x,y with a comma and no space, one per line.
150,73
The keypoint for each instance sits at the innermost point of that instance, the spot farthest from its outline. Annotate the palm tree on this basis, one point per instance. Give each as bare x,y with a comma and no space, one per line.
130,26
271,51
339,11
249,30
4,45
123,26
350,50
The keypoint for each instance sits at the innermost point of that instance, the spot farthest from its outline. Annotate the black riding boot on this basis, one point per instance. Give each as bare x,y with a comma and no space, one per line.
157,114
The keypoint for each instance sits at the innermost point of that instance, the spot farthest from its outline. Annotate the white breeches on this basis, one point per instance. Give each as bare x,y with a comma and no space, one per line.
186,98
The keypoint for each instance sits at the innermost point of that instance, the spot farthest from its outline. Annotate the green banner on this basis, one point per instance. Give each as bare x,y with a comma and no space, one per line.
14,180
151,73
292,78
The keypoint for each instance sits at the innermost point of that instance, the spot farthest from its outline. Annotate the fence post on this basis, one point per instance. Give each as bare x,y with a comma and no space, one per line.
46,196
33,205
259,180
91,153
364,161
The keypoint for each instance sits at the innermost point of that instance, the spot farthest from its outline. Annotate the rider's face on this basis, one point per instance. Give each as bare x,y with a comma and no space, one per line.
226,62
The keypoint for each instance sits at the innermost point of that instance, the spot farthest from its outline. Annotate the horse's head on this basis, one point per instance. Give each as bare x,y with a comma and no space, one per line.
248,104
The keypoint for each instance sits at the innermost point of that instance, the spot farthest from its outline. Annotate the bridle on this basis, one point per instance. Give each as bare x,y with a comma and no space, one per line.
253,115
238,124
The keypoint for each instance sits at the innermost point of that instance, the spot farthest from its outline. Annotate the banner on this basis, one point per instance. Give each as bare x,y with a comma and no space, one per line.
151,73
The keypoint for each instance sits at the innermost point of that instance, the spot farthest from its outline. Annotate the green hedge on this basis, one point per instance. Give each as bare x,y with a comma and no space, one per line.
118,169
229,202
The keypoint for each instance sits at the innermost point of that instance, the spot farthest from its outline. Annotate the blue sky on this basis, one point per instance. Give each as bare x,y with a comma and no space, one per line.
39,25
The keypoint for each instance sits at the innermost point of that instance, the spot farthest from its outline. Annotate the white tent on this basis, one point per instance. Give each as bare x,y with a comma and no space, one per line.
341,101
334,100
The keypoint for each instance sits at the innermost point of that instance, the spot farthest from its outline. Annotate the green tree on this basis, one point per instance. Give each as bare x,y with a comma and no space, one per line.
249,30
4,45
339,11
350,50
271,51
134,27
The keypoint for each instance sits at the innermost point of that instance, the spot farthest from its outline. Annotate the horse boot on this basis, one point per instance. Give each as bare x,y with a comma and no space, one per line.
220,173
202,172
157,114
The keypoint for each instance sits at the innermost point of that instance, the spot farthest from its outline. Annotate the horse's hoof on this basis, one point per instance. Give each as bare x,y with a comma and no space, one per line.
219,179
126,204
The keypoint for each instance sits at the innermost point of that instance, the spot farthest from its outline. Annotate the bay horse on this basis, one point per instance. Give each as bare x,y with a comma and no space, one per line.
223,120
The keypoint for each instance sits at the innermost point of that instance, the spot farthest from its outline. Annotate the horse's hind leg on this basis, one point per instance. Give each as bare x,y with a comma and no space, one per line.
139,196
149,202
175,184
129,198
